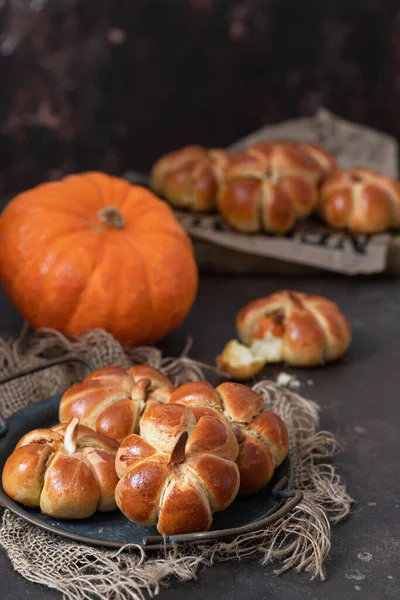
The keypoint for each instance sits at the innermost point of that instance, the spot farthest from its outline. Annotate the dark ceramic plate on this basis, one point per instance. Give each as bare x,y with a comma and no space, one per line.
114,530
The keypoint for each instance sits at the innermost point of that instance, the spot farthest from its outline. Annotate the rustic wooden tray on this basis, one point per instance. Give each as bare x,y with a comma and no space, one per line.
213,259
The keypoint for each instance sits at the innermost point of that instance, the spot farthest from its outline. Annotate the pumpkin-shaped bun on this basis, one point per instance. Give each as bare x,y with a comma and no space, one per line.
291,327
190,177
361,200
110,400
272,185
262,436
95,251
178,472
67,471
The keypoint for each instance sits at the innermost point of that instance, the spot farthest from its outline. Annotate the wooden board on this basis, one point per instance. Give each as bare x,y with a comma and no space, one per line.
220,260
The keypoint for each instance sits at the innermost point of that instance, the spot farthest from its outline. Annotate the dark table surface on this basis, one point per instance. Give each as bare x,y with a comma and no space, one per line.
360,400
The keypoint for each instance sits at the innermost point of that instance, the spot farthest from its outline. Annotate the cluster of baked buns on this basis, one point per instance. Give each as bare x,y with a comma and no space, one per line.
166,456
272,185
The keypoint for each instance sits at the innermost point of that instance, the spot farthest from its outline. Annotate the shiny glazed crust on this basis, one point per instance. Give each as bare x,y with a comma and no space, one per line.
110,400
360,200
64,482
261,435
272,185
178,471
313,330
189,178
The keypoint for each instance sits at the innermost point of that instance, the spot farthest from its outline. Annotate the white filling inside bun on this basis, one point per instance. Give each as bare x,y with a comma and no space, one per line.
239,355
269,348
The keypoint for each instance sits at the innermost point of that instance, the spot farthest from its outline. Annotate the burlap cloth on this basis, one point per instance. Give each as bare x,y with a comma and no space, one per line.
300,540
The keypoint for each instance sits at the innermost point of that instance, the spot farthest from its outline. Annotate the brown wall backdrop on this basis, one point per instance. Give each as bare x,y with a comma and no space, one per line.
112,84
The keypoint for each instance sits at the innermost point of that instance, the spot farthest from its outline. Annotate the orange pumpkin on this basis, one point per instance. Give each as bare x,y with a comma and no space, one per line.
95,251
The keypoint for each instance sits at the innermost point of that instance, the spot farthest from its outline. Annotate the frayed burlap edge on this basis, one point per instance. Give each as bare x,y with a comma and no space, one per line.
300,540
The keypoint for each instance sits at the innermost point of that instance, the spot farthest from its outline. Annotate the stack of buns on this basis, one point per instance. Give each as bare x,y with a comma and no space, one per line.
272,185
171,457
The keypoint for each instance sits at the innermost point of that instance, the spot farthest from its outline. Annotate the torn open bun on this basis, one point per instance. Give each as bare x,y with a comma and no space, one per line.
290,327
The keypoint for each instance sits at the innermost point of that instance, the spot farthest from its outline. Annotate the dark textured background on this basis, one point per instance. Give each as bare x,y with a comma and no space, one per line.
112,84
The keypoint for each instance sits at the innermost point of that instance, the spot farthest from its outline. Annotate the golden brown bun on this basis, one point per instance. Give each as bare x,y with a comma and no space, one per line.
67,471
262,436
111,399
360,200
178,471
189,178
272,185
196,393
290,327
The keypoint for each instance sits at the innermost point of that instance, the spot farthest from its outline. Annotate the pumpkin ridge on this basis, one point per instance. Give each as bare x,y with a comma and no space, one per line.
82,290
28,266
41,213
119,243
167,223
135,220
114,314
97,263
152,286
100,193
145,245
148,209
80,224
166,233
152,203
53,191
149,287
10,282
63,210
125,199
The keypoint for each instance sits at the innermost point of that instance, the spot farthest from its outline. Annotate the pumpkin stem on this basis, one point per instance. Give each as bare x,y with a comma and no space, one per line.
111,216
71,436
178,453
